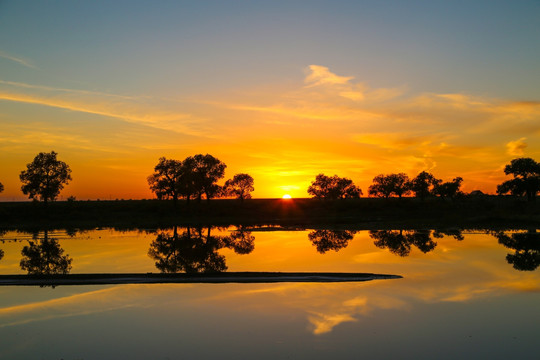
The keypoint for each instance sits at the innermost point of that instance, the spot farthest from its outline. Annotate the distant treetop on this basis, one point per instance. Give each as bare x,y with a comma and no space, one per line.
333,187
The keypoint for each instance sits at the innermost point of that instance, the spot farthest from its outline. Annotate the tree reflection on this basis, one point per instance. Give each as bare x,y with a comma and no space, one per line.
526,246
399,242
45,257
325,240
196,251
2,233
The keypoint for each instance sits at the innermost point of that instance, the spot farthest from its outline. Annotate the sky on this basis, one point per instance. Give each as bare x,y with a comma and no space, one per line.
281,90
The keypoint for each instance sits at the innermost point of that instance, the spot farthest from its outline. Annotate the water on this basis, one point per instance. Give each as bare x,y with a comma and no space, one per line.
461,296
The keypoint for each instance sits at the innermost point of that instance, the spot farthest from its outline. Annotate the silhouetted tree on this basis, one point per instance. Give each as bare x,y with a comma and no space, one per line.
165,181
448,189
422,184
45,177
527,249
526,181
241,241
1,187
196,252
388,185
334,187
45,257
400,242
207,170
325,240
455,233
240,186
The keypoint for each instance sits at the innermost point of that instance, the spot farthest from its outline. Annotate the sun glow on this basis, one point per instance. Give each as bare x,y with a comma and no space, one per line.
287,196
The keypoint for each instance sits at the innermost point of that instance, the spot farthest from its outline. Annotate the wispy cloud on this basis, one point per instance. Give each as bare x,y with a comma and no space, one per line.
141,110
18,60
516,147
321,75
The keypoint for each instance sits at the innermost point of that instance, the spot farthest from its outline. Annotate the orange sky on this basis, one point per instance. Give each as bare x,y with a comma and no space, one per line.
272,92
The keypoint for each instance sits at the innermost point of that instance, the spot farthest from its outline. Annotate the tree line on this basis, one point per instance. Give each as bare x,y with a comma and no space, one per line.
525,182
196,177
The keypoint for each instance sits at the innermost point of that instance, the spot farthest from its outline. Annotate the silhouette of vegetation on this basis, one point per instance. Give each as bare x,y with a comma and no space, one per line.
325,240
193,251
449,189
1,187
455,233
399,242
166,181
423,184
195,176
240,186
207,170
45,177
2,233
388,185
526,246
526,181
333,187
241,241
45,257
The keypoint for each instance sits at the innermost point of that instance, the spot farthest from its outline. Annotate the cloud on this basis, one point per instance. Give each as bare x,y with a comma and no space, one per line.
321,75
324,323
141,110
516,147
18,60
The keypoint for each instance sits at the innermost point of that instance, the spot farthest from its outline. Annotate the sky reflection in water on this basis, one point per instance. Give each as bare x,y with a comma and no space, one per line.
458,297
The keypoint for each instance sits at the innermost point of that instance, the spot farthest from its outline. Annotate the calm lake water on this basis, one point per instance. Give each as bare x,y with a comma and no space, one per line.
470,294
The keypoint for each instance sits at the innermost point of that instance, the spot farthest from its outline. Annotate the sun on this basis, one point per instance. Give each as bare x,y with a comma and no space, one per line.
287,196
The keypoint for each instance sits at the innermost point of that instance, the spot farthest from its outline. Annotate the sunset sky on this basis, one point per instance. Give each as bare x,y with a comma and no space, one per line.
282,90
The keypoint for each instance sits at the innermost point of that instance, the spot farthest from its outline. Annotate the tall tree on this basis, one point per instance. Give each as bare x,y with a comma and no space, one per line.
165,181
388,185
526,179
207,170
422,184
45,177
333,187
240,186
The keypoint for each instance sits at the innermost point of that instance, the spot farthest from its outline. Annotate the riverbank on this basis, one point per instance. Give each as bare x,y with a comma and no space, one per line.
364,213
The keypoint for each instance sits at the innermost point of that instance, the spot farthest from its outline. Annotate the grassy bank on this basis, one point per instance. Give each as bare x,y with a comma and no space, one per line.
365,213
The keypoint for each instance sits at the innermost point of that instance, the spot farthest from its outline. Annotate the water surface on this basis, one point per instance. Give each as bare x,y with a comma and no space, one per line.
467,294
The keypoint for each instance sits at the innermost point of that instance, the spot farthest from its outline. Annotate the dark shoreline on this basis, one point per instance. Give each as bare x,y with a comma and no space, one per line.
182,278
359,214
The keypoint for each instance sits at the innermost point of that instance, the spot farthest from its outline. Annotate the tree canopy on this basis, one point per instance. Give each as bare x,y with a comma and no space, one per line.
449,189
191,177
165,181
207,170
388,185
45,258
423,184
45,177
240,186
526,181
333,187
325,240
1,187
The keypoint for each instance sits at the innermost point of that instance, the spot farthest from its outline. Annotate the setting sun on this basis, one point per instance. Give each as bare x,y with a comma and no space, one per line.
287,196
